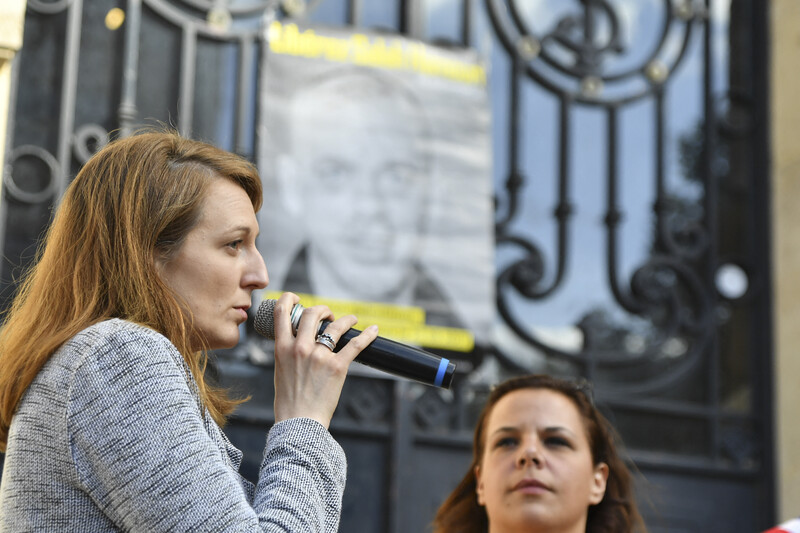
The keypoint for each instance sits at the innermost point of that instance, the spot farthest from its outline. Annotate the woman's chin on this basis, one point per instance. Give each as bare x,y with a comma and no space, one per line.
224,343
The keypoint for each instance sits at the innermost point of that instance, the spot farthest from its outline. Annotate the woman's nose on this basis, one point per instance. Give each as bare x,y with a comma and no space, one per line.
257,276
530,454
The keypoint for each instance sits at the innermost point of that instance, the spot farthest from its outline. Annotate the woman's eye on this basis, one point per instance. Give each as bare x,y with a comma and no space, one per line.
235,244
557,441
506,442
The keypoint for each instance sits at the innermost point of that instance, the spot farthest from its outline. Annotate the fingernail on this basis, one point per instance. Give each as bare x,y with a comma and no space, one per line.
373,328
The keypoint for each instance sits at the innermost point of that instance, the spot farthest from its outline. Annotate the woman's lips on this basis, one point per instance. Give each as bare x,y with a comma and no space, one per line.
531,486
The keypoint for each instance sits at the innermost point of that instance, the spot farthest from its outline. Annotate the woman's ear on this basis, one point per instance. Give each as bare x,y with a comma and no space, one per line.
159,260
599,481
479,485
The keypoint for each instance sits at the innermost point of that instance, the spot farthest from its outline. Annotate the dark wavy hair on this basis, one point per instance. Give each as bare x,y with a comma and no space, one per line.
617,511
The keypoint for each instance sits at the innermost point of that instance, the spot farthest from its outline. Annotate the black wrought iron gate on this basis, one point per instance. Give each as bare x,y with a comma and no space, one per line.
631,178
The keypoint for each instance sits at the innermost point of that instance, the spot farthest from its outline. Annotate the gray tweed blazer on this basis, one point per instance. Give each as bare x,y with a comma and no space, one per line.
110,436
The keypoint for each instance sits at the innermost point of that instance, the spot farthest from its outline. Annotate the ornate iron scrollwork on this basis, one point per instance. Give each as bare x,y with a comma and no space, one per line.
52,174
582,43
88,139
667,298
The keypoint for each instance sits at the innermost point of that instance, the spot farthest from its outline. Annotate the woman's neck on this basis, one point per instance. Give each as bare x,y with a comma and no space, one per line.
578,527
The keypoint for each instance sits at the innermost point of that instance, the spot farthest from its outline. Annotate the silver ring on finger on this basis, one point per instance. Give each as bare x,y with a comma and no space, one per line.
326,340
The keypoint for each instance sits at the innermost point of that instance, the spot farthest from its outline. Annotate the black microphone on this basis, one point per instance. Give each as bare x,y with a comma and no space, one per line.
383,354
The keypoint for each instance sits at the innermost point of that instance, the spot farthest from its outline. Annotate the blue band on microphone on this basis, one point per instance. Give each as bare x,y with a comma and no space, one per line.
440,373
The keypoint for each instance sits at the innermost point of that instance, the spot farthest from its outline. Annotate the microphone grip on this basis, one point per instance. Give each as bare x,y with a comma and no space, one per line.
400,359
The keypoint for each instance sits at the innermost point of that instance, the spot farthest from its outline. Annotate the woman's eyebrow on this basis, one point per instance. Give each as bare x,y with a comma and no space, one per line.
559,429
241,228
504,429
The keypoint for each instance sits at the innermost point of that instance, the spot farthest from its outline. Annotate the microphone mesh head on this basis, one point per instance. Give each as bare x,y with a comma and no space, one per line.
264,322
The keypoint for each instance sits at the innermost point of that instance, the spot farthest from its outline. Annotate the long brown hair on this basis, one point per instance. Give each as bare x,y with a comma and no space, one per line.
616,513
134,199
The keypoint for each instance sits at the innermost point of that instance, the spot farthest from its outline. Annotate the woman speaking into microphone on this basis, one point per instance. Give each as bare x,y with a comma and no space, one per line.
106,418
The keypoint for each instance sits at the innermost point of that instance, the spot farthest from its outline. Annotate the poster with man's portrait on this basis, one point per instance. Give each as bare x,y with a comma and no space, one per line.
374,151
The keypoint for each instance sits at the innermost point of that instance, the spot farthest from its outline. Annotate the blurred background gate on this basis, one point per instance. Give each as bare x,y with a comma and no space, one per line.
630,164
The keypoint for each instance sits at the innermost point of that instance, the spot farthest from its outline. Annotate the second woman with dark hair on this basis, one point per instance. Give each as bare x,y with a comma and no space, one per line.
544,460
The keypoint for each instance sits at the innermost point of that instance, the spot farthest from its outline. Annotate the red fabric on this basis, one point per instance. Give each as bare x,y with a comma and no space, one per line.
792,526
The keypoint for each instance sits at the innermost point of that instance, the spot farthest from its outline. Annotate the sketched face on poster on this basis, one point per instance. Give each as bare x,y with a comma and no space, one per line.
357,179
377,177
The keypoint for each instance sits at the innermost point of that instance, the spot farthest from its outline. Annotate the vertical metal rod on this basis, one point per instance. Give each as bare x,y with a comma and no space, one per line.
612,212
589,21
127,111
565,105
590,363
188,58
514,180
762,341
401,446
354,10
659,206
710,201
466,23
411,22
563,209
514,117
244,105
261,135
6,169
69,88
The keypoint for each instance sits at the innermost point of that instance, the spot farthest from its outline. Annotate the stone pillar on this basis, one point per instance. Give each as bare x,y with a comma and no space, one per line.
12,21
785,124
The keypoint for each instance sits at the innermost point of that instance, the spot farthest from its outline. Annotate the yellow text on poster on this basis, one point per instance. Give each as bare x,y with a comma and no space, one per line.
401,323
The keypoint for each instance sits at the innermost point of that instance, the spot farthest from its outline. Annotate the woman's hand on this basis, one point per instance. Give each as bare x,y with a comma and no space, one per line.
308,375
